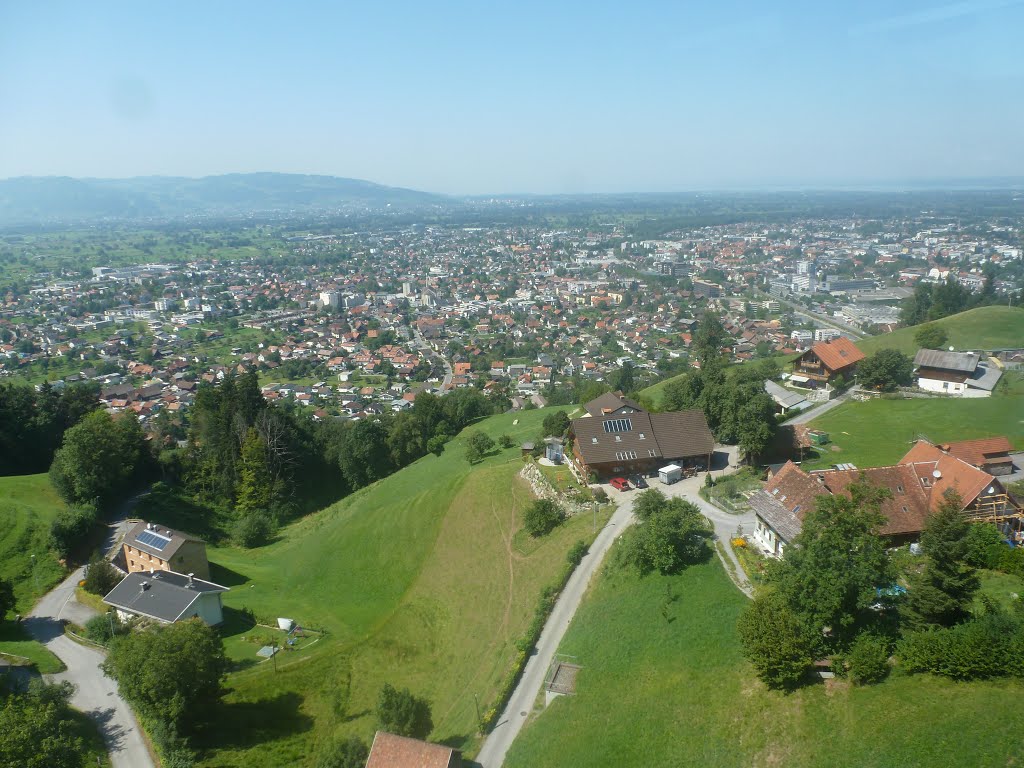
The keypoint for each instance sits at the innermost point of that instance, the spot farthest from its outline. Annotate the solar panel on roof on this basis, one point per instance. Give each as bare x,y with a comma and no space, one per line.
154,540
618,425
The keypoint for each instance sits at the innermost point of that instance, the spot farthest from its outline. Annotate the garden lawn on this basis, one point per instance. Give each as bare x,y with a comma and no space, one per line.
981,328
879,432
671,688
415,581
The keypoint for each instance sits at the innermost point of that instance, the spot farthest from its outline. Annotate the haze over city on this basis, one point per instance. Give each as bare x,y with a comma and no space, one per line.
466,98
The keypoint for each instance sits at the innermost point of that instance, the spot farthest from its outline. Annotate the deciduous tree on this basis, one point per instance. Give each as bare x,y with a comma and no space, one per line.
402,713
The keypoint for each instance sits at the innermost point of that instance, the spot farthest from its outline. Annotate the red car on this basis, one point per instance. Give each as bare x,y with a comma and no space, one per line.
619,483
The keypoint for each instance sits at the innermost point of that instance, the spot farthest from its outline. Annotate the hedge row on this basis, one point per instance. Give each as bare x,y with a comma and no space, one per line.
526,645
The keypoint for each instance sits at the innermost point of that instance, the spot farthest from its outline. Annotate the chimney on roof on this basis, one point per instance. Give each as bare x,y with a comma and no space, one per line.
190,579
144,586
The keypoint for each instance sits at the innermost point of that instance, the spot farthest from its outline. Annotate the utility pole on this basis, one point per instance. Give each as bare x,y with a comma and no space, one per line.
479,722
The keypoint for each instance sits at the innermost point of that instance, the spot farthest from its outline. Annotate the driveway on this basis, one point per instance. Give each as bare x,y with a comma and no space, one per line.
95,694
496,745
821,408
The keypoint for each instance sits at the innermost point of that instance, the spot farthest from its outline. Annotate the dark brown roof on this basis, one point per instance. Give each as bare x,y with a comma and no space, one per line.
391,751
683,433
611,402
668,436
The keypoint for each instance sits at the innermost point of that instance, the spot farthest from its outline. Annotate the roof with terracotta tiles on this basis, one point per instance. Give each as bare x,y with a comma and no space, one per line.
953,474
908,508
836,354
391,751
978,452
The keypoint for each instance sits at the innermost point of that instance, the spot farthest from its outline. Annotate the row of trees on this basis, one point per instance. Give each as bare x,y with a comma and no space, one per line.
33,423
933,301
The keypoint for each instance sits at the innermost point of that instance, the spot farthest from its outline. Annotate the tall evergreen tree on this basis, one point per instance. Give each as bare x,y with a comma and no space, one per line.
940,594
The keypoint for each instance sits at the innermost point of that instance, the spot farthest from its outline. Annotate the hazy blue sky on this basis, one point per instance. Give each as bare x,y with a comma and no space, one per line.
513,97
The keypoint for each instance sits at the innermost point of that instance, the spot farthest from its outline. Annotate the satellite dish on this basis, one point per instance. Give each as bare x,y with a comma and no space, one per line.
992,489
936,474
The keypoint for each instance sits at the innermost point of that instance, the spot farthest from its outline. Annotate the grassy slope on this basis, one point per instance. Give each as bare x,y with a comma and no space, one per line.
418,583
679,693
879,432
27,506
982,328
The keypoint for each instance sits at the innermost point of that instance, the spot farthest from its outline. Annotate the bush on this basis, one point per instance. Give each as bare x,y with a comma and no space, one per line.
577,552
868,659
981,537
101,629
774,642
542,516
70,528
350,753
600,495
506,441
989,646
254,530
101,576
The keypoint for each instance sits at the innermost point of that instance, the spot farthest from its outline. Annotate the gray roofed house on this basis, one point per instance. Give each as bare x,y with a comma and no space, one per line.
167,597
786,399
955,373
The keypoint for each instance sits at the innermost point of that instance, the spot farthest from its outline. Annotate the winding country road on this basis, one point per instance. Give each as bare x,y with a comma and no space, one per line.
520,705
95,694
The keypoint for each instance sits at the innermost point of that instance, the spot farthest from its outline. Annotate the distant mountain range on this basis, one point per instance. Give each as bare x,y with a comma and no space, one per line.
53,199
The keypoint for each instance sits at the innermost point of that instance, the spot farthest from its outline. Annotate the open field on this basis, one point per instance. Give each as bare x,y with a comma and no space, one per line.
878,432
415,581
676,691
981,328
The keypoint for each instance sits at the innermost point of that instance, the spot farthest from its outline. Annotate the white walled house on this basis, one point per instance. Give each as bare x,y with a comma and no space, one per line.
167,597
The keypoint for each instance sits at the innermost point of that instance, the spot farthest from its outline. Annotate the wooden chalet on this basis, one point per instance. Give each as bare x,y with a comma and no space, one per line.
823,362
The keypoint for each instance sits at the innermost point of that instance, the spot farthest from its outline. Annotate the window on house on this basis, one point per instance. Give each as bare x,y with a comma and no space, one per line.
642,436
899,488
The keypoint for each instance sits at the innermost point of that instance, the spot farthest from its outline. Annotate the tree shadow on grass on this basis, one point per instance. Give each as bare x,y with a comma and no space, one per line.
456,742
249,723
236,622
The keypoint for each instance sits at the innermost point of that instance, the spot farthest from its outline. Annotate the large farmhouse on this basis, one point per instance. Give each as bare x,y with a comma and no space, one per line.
917,485
955,373
148,546
617,436
822,363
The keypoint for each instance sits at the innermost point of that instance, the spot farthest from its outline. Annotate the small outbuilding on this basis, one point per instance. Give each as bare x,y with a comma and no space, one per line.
672,473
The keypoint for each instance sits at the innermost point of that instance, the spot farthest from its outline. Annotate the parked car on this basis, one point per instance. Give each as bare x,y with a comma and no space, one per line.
619,483
638,481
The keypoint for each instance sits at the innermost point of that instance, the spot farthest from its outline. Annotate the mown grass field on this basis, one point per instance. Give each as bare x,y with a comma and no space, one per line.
676,691
416,581
981,328
879,432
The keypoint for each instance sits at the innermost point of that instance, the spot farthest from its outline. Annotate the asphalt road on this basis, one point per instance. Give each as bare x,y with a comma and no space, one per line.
496,745
95,694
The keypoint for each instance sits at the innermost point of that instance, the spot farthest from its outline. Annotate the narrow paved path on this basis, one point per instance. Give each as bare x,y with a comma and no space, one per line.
95,694
497,744
819,409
